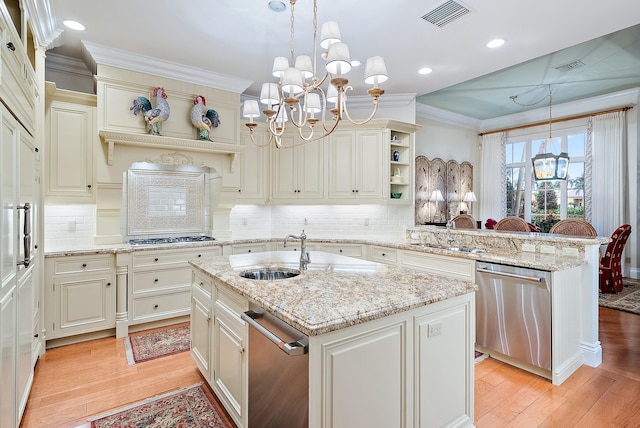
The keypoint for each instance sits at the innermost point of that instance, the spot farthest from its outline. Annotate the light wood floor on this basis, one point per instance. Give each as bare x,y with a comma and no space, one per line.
75,382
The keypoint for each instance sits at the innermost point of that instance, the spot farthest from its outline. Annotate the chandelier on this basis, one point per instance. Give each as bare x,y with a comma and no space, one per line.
546,165
299,99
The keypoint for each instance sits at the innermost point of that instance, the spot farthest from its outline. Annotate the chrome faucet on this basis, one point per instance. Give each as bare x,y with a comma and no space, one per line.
304,254
450,224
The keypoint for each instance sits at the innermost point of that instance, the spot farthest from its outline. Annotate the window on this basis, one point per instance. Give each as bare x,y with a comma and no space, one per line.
544,203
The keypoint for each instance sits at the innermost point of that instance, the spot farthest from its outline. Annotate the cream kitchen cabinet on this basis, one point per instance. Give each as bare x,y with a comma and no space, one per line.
386,255
355,165
71,138
257,247
201,321
297,174
80,294
219,342
253,176
161,283
454,267
350,250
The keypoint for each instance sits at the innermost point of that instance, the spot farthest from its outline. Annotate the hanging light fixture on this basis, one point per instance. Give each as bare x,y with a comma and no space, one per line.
300,91
546,165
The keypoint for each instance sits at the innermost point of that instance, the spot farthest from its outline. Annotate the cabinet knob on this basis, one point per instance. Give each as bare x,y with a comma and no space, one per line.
155,306
84,265
248,251
35,335
239,190
11,46
155,280
88,186
340,250
383,254
108,284
356,190
199,255
155,260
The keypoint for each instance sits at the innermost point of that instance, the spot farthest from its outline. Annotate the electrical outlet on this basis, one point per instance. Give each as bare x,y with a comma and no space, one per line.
71,226
366,221
306,221
529,248
244,221
570,251
435,328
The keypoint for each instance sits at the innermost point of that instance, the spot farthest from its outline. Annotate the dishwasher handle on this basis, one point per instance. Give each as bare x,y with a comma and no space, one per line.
511,275
289,348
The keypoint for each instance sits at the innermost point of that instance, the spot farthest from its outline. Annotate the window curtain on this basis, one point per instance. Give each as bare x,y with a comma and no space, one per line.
608,193
493,180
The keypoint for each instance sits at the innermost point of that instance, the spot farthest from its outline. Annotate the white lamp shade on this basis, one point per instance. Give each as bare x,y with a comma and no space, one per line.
280,64
469,197
436,196
329,34
375,70
250,109
269,94
332,94
292,82
338,59
303,63
281,115
312,104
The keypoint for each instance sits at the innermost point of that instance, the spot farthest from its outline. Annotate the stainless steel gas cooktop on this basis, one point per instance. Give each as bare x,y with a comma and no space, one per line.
174,240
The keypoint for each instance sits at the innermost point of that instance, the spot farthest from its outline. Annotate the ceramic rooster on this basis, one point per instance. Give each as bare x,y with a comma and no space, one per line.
204,120
153,116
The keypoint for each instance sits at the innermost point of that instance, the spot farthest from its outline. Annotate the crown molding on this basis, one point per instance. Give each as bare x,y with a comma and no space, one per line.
43,22
585,106
429,112
99,54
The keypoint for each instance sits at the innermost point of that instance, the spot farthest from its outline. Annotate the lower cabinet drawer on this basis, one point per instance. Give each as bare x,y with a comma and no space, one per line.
383,255
161,279
351,250
162,306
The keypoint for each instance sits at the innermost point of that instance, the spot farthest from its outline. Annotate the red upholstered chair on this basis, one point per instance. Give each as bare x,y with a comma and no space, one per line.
534,228
610,266
490,223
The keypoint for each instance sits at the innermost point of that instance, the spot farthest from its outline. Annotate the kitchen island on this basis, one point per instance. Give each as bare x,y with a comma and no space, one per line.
387,346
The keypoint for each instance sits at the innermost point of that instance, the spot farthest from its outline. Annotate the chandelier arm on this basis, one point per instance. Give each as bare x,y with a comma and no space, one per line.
373,113
254,141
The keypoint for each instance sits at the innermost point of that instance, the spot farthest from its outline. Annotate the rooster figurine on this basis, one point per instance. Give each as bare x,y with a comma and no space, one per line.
203,120
153,116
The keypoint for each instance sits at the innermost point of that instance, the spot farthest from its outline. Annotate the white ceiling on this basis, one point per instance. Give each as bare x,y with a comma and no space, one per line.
241,37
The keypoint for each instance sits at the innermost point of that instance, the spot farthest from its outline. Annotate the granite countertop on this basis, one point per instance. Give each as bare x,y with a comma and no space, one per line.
336,291
504,252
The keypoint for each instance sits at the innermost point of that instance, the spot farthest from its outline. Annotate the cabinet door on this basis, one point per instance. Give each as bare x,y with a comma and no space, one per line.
229,374
284,172
83,304
8,405
70,129
311,172
24,369
368,165
201,331
253,180
341,161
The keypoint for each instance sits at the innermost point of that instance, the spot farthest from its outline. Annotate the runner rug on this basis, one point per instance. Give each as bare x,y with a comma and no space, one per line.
627,300
187,407
147,345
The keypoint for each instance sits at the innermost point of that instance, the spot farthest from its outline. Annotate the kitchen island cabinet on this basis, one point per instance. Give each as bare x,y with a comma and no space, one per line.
387,346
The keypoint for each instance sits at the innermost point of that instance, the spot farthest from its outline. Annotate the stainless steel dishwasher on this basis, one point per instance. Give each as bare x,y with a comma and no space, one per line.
278,372
513,312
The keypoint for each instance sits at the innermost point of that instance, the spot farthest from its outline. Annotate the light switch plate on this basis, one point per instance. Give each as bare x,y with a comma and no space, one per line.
548,249
530,248
570,251
435,328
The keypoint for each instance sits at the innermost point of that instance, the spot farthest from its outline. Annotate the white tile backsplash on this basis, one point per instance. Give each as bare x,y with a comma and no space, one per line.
69,226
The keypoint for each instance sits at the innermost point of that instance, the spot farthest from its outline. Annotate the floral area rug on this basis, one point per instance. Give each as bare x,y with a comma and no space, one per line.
152,344
627,300
187,407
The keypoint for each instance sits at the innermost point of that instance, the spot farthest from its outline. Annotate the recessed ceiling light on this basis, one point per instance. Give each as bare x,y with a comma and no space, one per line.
356,63
496,43
74,25
277,6
425,70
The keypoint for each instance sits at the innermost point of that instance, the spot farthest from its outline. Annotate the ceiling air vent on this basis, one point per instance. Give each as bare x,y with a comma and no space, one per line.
446,13
570,65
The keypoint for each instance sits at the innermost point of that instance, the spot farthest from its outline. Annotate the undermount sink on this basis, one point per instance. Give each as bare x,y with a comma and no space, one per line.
457,249
269,274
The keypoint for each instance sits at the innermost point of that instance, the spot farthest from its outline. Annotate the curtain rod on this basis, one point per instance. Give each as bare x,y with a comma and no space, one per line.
565,119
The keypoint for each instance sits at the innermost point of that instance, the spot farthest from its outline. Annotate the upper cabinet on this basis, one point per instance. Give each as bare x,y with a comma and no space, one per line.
71,139
253,167
355,165
297,173
18,84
